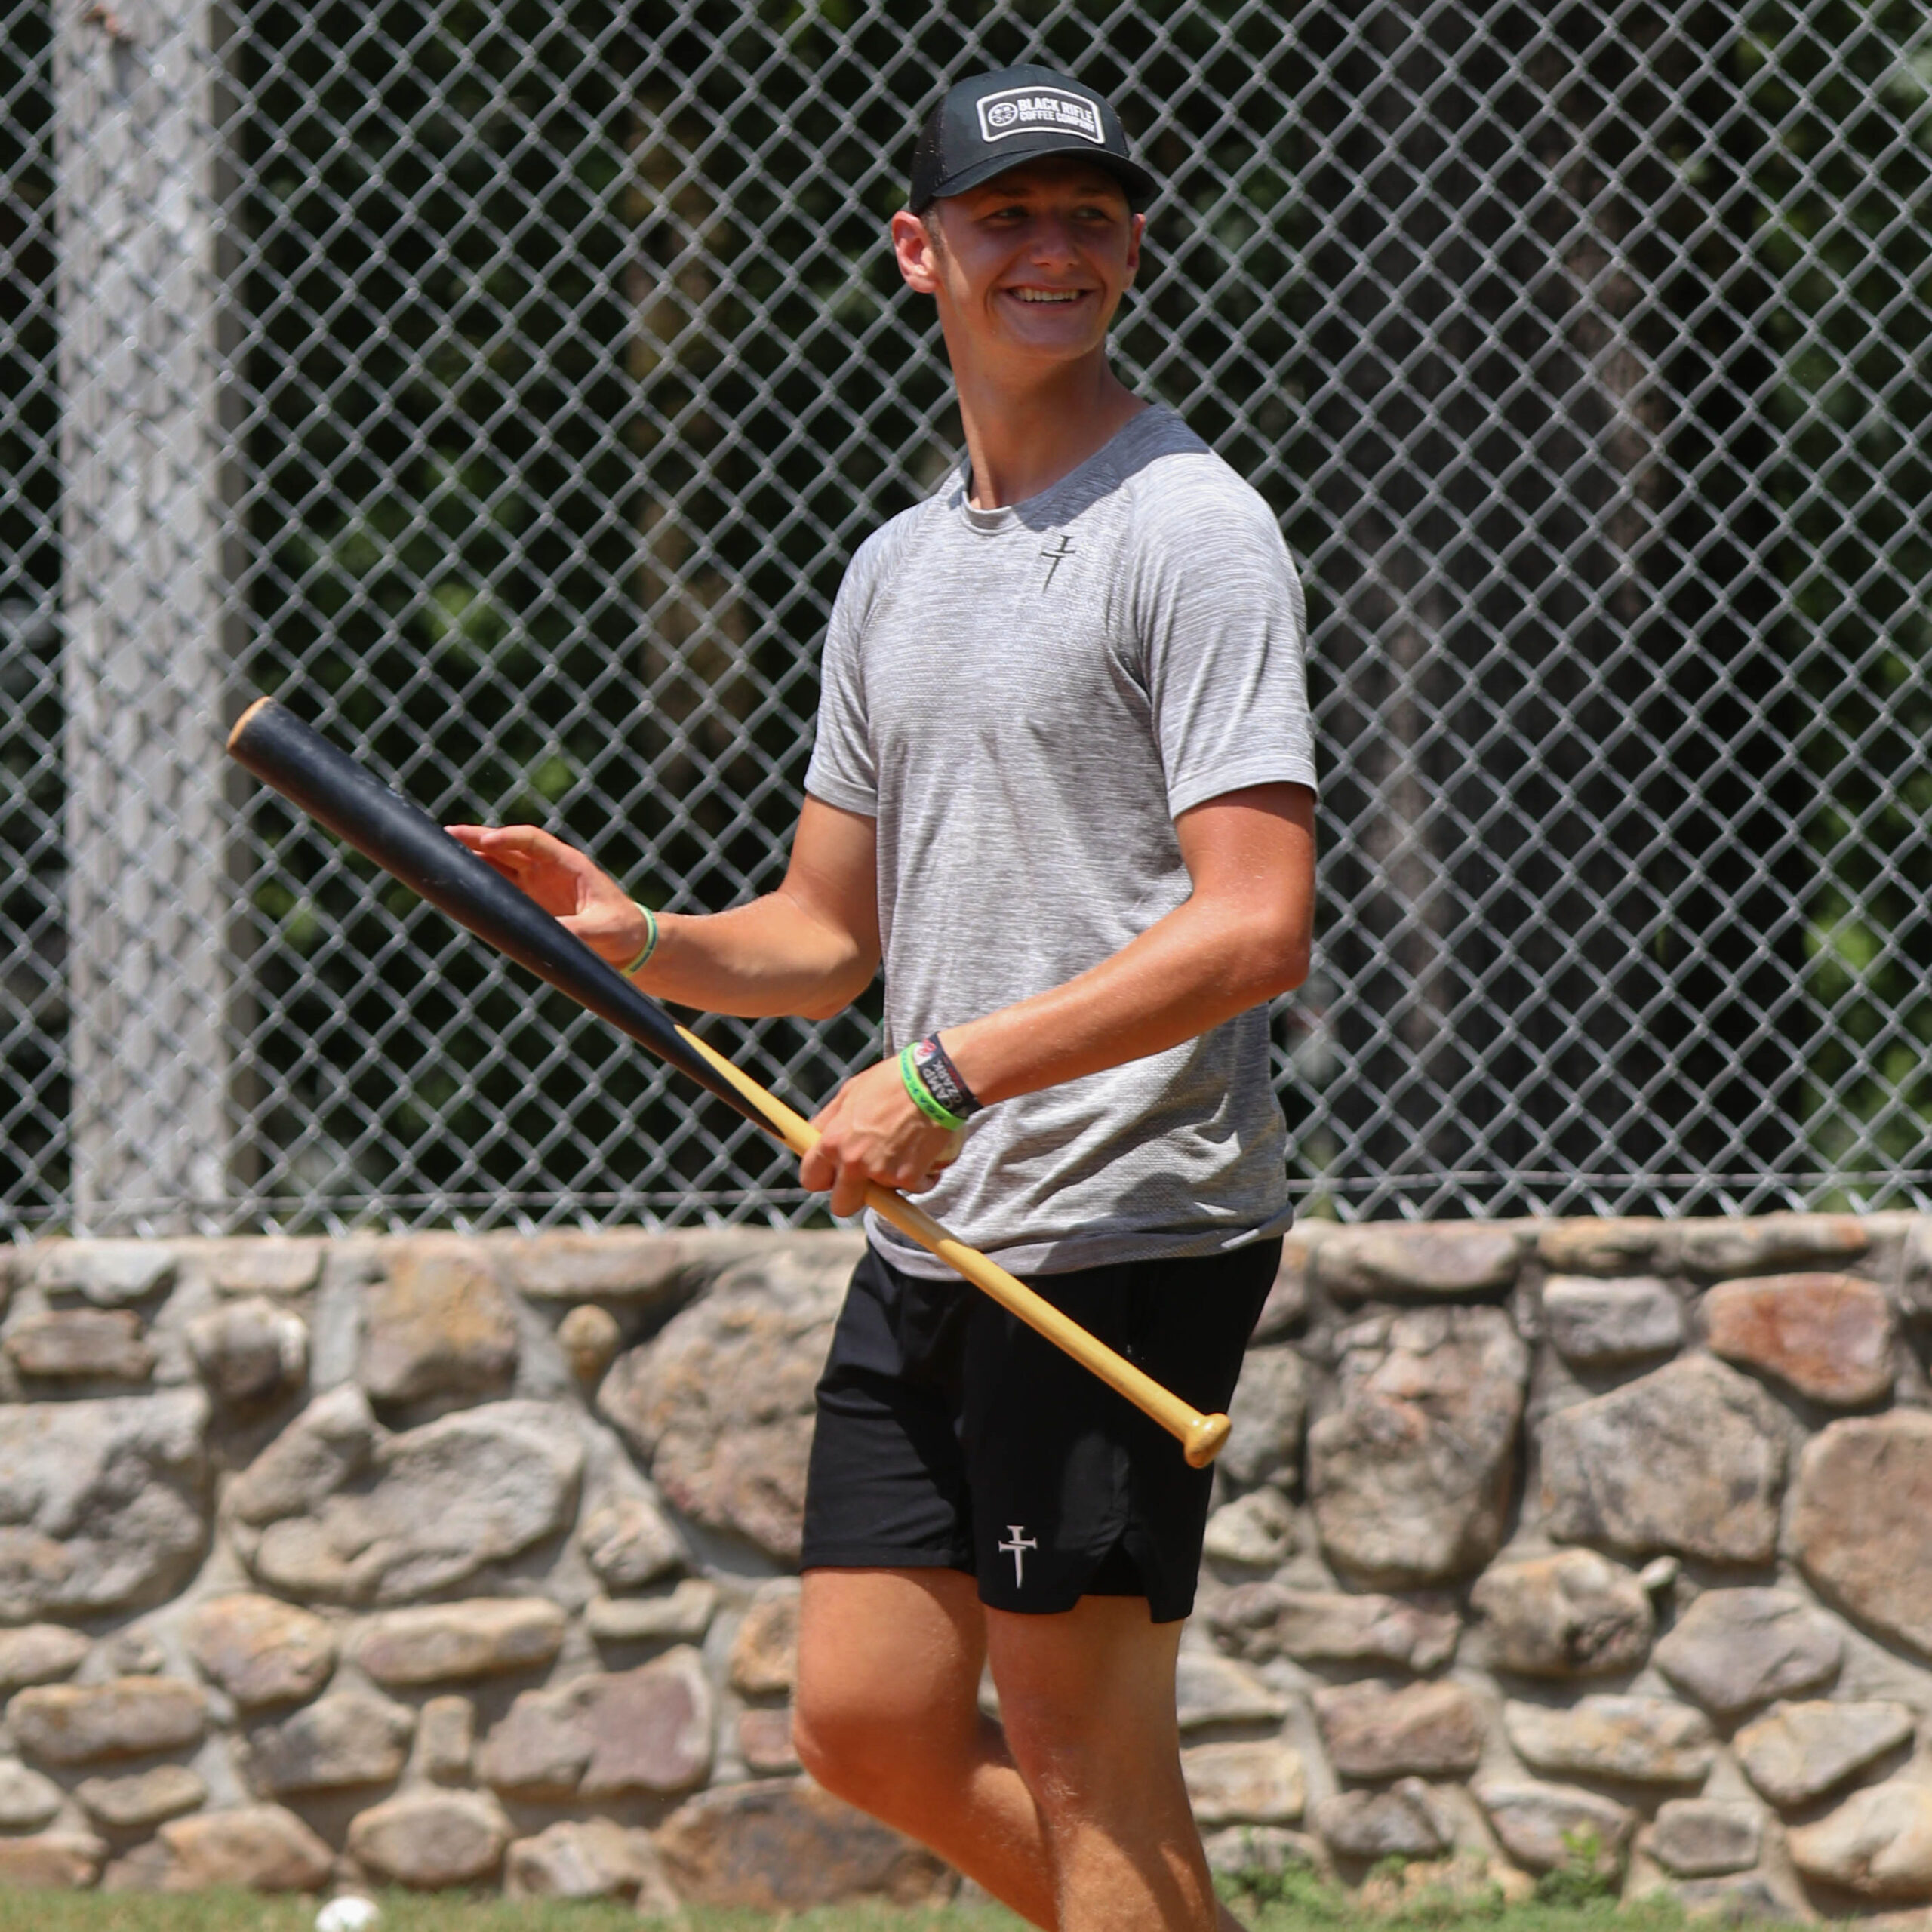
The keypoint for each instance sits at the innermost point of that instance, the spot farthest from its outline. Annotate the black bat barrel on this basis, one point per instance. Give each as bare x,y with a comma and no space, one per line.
324,782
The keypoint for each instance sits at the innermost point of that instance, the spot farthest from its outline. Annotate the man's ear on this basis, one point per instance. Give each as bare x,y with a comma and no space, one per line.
1136,228
916,252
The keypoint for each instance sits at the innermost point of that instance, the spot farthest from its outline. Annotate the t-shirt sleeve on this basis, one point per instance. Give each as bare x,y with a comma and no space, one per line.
1223,627
843,771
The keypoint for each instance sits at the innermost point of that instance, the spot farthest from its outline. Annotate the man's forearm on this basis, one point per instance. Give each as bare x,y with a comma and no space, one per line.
1241,937
771,957
1200,965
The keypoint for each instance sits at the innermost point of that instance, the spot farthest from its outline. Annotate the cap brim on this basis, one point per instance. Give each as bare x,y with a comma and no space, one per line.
1140,185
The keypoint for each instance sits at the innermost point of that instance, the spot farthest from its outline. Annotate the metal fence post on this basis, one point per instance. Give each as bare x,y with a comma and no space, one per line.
137,93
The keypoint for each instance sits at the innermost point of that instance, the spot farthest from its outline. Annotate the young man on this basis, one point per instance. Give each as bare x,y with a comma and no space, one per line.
1062,786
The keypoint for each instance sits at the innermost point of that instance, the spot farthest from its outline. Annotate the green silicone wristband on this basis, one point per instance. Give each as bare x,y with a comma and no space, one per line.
650,941
921,1098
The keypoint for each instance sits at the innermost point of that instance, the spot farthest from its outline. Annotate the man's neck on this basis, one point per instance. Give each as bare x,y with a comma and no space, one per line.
1024,434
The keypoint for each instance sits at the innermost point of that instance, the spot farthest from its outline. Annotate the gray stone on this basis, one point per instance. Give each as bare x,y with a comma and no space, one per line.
1211,1690
81,1345
686,1613
781,1845
1466,1881
765,1740
348,1738
110,1274
1591,1246
1410,1478
1828,1336
1878,1845
259,1650
431,1840
630,1543
1762,1243
1248,1852
40,1653
258,1847
1542,1825
644,1270
1797,1752
439,1324
1441,1258
26,1798
647,1731
1447,1260
127,1717
482,1638
1704,1838
1406,1821
339,1511
1737,1901
1256,1531
1639,1740
445,1739
330,1442
1257,1781
142,1799
134,1652
50,1862
268,1266
251,1352
590,1338
1286,1305
1864,1495
1264,1621
720,1403
590,1858
1433,1729
1270,1403
765,1653
1573,1614
1689,1458
1595,1323
1733,1649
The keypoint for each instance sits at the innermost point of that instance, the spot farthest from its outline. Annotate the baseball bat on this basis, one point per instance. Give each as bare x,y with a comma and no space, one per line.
330,787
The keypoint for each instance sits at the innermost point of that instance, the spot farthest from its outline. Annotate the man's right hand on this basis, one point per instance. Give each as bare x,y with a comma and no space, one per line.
565,882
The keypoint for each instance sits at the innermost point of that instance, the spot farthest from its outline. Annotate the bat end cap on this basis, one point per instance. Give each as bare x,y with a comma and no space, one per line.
1205,1436
241,723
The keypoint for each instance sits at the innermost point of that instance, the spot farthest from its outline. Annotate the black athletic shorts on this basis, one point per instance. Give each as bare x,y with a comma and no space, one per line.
951,1436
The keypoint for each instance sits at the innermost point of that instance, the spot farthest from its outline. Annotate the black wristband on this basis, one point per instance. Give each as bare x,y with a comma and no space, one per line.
942,1078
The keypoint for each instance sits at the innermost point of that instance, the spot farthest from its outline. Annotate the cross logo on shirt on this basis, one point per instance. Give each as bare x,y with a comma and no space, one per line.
1056,554
1019,1542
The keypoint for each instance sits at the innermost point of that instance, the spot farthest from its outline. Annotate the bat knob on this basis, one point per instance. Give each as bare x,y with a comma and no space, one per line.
1205,1435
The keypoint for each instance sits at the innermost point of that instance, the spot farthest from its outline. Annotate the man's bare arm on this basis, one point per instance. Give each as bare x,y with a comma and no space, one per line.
809,948
1241,937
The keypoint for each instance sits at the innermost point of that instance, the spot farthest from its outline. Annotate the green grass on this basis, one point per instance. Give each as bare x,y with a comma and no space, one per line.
1296,1902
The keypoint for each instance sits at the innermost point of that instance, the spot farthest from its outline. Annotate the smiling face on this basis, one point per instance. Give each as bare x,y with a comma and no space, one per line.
1028,267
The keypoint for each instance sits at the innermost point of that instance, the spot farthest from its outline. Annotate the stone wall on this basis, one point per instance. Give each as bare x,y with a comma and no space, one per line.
447,1561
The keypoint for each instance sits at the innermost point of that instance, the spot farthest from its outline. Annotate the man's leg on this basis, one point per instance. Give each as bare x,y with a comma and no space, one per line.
1088,1698
887,1716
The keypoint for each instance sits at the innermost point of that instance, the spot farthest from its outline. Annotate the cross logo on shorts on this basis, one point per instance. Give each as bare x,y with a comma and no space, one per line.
1019,1543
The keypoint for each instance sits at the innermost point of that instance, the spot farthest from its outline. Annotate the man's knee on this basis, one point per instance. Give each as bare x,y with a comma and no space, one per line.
844,1741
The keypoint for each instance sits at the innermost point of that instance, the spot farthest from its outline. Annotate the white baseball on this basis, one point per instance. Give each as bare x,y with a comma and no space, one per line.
347,1914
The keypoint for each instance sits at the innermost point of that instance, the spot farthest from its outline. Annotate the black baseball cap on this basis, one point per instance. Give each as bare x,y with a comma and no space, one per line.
990,122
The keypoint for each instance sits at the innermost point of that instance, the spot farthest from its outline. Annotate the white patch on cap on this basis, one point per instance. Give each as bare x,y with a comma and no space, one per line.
1039,111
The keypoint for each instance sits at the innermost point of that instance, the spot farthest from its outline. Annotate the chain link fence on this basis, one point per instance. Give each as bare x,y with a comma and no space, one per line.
505,385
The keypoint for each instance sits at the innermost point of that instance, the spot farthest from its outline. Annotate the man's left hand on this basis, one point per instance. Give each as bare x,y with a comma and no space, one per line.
872,1131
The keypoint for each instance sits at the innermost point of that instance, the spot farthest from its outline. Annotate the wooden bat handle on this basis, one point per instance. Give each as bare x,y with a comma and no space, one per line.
1200,1437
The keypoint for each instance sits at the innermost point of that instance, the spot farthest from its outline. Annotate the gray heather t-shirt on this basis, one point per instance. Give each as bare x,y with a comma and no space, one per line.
1025,699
